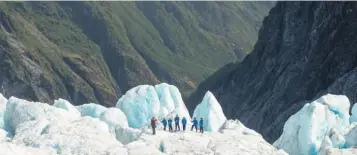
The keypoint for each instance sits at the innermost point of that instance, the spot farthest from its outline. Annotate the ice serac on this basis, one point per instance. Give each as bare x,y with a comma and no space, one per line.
19,111
166,103
114,117
91,109
143,102
64,104
139,104
211,112
180,107
325,119
3,101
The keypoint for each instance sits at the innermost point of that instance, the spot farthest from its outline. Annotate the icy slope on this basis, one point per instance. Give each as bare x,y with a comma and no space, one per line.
320,127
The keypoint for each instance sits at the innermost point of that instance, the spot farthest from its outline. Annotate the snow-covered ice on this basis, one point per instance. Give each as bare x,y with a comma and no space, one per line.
34,128
231,140
211,112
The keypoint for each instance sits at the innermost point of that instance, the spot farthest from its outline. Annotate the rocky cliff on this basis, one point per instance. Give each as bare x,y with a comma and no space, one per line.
304,49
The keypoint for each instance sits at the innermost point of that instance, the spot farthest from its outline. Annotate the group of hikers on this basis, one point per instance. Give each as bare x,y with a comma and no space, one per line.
177,124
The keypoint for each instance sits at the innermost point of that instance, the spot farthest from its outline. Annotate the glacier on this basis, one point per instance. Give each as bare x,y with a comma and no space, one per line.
353,117
211,112
3,102
34,128
91,109
320,127
143,102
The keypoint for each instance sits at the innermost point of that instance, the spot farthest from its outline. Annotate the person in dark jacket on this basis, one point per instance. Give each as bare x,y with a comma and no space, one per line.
153,124
170,124
184,122
195,123
177,123
164,122
201,125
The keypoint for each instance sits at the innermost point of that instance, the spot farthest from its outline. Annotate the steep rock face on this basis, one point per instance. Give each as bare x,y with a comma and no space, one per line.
94,51
304,49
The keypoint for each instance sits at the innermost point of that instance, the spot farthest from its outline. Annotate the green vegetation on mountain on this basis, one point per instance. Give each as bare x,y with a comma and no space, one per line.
95,51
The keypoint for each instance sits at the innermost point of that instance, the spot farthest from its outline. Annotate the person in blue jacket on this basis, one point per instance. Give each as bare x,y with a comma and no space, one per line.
177,123
201,125
195,122
170,124
164,122
184,122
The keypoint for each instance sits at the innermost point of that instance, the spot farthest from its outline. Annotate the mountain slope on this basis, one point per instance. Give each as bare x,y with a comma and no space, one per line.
95,51
304,49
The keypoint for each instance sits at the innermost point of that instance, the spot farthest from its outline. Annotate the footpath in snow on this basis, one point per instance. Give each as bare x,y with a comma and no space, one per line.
33,128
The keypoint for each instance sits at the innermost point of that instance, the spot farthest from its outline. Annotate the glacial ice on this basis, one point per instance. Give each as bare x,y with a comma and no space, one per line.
139,104
211,112
353,117
3,101
114,117
91,109
176,98
40,129
64,104
143,102
351,136
319,127
19,111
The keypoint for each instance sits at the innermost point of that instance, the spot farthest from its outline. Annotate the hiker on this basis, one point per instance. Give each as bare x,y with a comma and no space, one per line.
170,124
184,122
194,124
153,124
201,125
177,123
164,122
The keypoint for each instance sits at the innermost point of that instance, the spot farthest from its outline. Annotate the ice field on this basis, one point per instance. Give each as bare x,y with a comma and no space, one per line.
321,127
